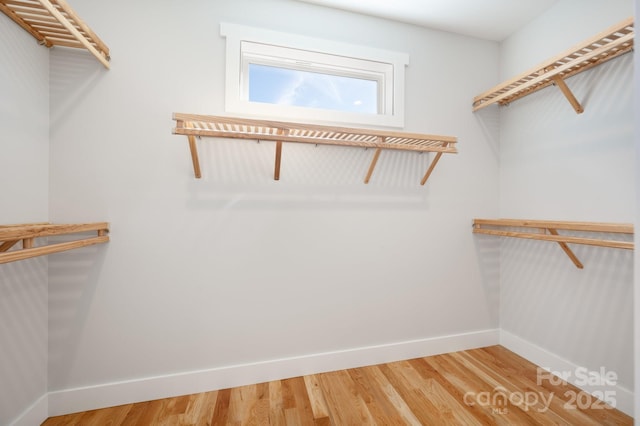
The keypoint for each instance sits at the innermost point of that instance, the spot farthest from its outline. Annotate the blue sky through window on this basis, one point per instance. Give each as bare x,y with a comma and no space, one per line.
283,86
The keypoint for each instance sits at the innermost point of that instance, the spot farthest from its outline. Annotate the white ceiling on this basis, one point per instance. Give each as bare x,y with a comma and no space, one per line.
487,19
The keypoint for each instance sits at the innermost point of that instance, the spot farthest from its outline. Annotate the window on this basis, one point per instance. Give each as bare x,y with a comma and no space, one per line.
281,76
324,89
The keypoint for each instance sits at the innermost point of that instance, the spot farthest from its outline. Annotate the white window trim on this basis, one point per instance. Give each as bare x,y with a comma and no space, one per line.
237,104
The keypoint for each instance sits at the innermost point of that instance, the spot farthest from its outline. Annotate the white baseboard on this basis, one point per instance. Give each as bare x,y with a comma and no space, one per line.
35,414
111,394
574,374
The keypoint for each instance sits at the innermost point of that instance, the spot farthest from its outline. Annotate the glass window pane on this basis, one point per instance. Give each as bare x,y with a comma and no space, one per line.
283,86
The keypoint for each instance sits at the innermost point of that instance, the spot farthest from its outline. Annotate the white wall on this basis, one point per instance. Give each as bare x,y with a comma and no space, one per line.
24,185
236,268
555,164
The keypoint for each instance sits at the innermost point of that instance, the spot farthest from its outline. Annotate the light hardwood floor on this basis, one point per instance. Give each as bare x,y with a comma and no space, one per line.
488,386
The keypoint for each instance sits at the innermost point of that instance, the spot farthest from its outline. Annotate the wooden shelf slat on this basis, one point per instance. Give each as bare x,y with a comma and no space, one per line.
546,230
12,234
242,128
611,43
41,17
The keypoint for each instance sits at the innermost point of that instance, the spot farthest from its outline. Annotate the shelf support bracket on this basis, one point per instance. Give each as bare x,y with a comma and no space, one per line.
276,172
194,156
433,165
567,92
193,148
7,245
567,250
374,161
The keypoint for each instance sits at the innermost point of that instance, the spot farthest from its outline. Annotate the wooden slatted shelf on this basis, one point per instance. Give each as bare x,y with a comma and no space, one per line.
546,230
54,23
607,45
193,125
10,235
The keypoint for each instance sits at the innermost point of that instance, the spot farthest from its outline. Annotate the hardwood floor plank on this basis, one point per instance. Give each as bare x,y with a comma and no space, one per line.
135,413
276,406
302,403
380,381
111,417
346,406
200,409
468,387
288,398
422,408
221,410
260,413
241,402
379,406
449,410
172,410
427,370
149,413
486,386
316,397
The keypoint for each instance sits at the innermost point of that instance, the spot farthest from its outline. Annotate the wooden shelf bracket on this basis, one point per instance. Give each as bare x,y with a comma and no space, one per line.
548,231
609,44
558,81
55,23
193,125
10,235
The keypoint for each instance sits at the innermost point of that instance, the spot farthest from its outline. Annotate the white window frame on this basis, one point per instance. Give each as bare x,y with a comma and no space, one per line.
247,45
